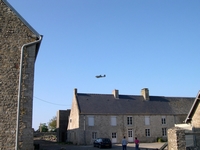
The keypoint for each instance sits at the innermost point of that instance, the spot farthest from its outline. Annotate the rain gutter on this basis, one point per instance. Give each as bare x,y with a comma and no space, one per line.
37,42
19,89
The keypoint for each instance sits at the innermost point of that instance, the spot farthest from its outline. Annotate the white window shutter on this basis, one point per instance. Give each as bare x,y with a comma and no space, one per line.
91,121
113,121
147,120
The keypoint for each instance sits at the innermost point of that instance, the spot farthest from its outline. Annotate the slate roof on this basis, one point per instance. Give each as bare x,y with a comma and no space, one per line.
133,104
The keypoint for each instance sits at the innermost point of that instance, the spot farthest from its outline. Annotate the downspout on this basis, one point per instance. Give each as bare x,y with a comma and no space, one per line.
84,131
19,89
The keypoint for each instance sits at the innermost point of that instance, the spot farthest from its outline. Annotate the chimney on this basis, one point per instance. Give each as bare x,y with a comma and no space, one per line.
75,91
115,93
145,93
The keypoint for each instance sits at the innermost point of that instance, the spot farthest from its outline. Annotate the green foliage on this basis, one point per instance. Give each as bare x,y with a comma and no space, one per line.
43,127
159,139
52,124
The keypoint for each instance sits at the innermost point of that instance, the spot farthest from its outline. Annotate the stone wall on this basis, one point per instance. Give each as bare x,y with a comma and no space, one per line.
62,123
47,136
73,125
102,126
196,125
74,114
14,34
176,139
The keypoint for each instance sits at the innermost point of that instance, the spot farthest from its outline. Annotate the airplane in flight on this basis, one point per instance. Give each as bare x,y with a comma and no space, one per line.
100,76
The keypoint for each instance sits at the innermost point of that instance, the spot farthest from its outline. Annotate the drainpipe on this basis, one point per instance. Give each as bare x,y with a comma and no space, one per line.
19,90
84,131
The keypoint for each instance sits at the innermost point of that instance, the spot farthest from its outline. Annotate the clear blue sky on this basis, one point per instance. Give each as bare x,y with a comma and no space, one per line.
137,43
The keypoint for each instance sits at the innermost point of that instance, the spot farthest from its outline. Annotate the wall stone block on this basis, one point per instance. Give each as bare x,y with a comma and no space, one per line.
176,139
14,34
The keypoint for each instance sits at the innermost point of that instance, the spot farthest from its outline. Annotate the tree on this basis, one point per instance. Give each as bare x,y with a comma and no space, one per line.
52,124
43,127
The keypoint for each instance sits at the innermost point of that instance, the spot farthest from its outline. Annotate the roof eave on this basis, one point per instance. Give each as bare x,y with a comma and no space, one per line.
192,110
27,24
22,19
38,46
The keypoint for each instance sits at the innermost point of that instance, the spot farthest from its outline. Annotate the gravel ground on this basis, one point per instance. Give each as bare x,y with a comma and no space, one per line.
46,145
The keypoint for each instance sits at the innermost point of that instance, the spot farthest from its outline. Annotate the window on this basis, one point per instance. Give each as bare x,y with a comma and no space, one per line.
130,133
164,131
147,120
90,120
113,120
147,132
129,121
114,135
94,135
163,120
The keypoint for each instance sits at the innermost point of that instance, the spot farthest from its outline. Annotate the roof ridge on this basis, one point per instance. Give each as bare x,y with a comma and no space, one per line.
94,93
137,95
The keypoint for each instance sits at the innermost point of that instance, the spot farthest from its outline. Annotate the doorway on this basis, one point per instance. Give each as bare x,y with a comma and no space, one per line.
130,135
114,137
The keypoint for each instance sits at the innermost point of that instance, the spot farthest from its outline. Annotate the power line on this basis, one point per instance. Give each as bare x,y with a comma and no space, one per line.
49,102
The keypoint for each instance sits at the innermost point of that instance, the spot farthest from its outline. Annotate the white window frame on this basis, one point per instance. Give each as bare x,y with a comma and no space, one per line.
130,133
147,120
129,120
163,120
114,135
113,121
94,135
90,120
164,131
147,133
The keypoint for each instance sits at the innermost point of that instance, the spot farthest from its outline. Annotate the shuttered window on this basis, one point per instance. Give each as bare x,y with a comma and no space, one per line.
90,120
113,120
147,120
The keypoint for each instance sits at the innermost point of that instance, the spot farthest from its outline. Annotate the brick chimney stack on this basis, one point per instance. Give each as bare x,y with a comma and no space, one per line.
145,93
115,93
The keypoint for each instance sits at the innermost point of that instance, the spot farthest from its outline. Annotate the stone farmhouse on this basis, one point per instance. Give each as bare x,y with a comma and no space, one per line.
19,46
114,116
194,120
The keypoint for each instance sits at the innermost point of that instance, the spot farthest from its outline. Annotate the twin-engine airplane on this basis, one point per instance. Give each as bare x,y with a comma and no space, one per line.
100,76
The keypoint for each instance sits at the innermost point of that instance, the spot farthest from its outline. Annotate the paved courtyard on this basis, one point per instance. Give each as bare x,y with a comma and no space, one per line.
44,145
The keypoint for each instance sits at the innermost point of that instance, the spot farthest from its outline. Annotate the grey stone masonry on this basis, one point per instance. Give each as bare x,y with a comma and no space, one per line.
13,35
62,123
196,124
176,139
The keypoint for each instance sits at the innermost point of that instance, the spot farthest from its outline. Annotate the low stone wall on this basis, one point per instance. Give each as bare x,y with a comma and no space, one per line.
47,136
176,139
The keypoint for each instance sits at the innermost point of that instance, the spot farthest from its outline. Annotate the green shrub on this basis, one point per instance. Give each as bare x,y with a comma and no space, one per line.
159,139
